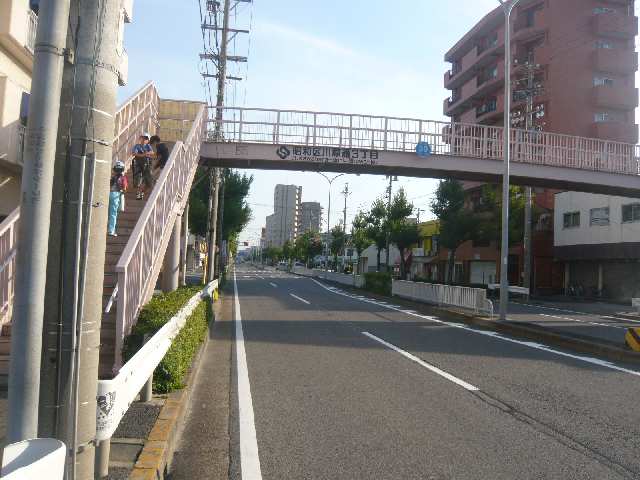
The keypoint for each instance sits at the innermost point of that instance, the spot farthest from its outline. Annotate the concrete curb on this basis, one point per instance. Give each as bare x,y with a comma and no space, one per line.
522,330
156,456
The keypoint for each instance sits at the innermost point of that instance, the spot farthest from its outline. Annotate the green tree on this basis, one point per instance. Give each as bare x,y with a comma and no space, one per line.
338,241
376,228
457,224
307,246
237,212
359,238
274,254
491,228
288,251
403,231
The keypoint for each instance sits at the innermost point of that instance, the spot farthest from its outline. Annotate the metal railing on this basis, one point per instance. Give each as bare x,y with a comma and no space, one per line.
136,116
474,299
141,260
138,112
315,129
32,28
8,246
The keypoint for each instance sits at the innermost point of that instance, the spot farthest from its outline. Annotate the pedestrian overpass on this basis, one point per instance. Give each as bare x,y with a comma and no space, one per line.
366,144
305,141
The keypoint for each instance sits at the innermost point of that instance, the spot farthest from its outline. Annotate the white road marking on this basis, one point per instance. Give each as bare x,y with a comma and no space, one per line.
301,299
580,321
487,333
575,312
273,285
249,457
424,364
261,277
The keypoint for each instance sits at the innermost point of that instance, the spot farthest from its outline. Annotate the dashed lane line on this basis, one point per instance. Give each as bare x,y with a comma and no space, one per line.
486,333
422,363
307,302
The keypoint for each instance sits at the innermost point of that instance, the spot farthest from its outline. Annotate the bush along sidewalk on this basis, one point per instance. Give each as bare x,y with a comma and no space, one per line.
378,282
169,375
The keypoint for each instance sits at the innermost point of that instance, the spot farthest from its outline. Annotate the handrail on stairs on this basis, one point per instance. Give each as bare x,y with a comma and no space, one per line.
140,263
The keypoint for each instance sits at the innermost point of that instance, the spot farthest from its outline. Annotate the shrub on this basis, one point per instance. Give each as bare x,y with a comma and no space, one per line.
378,282
170,372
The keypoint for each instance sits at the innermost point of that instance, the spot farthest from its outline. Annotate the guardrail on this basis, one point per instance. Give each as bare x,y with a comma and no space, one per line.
341,278
139,114
8,248
117,394
142,257
298,127
474,299
134,116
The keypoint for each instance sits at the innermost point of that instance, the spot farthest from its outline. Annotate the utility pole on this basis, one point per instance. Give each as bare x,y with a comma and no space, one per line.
35,209
531,90
389,193
419,211
220,59
346,194
77,235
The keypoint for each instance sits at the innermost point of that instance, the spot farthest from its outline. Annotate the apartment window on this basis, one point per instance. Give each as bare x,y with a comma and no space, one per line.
599,217
604,44
489,106
571,220
631,213
601,10
531,17
597,81
601,117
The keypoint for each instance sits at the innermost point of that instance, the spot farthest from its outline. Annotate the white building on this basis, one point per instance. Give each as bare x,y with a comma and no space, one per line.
310,217
598,239
284,223
18,22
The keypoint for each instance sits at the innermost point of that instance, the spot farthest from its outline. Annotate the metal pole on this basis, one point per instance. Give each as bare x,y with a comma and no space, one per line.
504,274
171,264
388,208
528,193
185,245
213,224
33,233
220,227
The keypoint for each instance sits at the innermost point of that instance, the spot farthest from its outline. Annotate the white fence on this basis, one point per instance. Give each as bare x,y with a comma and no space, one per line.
464,297
341,278
115,395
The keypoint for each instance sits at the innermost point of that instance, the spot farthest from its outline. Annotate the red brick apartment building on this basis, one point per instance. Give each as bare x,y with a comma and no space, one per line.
587,58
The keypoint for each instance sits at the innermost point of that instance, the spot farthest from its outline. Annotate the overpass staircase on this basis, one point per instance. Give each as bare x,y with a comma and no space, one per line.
134,258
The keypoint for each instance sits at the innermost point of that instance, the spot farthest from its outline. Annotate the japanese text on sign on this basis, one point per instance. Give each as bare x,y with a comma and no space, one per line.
351,156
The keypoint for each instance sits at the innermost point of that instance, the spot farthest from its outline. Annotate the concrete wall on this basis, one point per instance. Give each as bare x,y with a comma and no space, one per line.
586,234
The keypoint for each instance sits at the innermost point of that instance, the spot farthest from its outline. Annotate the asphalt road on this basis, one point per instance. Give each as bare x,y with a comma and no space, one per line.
596,320
331,385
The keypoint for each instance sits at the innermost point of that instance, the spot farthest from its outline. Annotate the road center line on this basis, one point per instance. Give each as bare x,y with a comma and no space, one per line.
487,333
273,285
301,299
428,366
249,457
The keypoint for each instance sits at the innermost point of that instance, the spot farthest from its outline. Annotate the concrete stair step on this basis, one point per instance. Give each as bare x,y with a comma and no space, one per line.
5,346
6,330
4,365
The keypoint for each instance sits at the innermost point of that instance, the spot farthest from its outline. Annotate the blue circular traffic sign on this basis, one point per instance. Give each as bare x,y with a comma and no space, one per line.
423,149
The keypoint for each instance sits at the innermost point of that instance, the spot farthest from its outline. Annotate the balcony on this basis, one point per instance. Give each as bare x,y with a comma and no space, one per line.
616,97
12,143
530,25
616,131
614,24
17,30
609,60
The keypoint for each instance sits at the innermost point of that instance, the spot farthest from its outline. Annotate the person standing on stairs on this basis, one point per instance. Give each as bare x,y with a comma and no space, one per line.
119,184
162,151
142,177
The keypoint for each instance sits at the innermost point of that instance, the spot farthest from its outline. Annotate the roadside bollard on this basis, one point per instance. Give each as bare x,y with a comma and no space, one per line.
103,450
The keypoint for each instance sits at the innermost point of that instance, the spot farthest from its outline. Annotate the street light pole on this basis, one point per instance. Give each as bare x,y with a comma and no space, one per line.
507,6
330,180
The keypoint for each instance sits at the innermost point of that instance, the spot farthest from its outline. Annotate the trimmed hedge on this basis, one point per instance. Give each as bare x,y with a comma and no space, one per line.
378,282
170,373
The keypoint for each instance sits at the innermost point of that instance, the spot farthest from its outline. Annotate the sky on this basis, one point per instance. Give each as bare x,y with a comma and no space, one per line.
370,57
